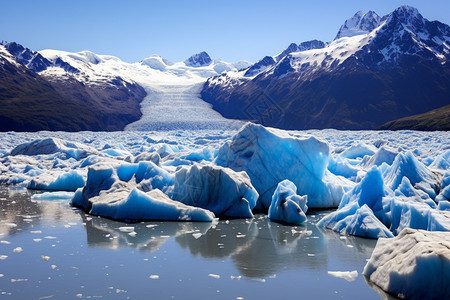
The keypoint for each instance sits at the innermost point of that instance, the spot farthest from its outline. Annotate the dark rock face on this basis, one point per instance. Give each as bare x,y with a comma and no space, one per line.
31,59
199,60
261,65
403,70
30,102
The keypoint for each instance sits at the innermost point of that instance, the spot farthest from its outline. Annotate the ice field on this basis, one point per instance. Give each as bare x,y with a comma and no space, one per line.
376,183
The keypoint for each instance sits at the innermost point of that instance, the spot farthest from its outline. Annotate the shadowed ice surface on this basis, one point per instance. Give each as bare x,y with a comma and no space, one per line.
50,250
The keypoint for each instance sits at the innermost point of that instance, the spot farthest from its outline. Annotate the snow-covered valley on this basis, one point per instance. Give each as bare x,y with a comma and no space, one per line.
163,102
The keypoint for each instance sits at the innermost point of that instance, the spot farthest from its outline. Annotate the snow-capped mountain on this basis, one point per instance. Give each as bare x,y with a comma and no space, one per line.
360,23
108,92
376,70
198,60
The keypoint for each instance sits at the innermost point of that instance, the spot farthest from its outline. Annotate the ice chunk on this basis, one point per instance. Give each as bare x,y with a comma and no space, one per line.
408,213
99,178
53,145
52,196
359,209
341,167
406,189
154,205
444,205
442,162
413,265
288,207
444,194
358,150
347,275
269,156
383,155
355,220
221,190
69,181
406,165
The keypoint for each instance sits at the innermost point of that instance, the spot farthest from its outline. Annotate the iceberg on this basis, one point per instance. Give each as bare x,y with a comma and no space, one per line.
355,220
288,207
154,205
221,190
358,150
51,146
68,181
383,155
413,265
406,165
270,156
361,209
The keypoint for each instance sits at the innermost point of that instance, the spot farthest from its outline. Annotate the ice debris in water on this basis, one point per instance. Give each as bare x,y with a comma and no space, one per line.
347,275
381,182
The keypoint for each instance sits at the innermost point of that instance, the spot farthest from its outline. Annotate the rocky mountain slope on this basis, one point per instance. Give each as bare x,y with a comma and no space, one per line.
377,69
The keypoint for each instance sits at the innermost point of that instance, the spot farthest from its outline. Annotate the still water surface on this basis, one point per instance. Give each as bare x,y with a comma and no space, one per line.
49,250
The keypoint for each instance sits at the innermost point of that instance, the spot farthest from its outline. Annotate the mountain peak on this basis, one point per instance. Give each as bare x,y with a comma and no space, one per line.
199,60
360,23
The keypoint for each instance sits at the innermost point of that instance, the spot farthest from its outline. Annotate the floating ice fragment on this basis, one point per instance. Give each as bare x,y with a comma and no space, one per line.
238,277
54,267
347,275
214,276
3,257
5,242
197,235
19,280
53,196
133,234
37,240
126,229
18,250
45,257
49,237
154,277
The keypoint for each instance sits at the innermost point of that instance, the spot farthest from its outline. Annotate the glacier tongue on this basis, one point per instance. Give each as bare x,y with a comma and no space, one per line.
178,106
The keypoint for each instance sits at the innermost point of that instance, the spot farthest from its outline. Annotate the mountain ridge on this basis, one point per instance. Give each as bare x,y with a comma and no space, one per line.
400,68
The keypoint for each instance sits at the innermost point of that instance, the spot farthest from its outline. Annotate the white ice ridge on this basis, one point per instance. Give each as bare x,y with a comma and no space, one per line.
179,106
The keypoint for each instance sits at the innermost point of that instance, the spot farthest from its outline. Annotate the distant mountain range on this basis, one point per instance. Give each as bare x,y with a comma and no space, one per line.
378,69
388,72
58,90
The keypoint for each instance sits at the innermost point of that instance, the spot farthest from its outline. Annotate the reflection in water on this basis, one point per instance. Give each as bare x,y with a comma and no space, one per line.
145,236
278,247
257,248
223,240
16,211
383,294
260,247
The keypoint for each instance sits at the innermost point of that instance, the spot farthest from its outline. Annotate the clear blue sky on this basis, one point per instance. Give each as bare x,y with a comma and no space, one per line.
227,29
